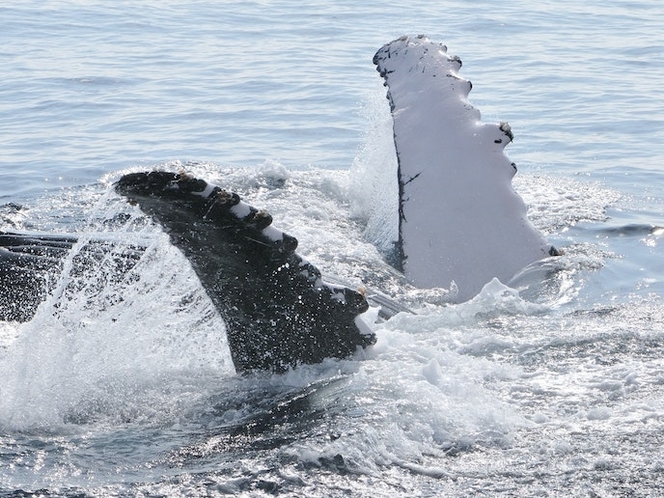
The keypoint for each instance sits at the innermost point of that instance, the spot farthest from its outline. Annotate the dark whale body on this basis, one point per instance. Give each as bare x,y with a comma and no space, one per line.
278,311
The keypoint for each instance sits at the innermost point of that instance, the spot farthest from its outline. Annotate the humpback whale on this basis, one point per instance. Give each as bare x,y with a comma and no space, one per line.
460,225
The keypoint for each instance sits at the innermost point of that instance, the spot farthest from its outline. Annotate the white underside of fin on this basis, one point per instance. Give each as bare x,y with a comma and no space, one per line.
461,220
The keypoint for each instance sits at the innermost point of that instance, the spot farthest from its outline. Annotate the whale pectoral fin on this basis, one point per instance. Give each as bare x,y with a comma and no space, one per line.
278,310
460,219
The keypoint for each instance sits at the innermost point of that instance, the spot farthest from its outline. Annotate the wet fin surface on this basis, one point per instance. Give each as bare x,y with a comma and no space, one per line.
459,218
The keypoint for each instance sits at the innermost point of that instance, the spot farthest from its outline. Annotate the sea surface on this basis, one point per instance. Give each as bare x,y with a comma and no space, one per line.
556,392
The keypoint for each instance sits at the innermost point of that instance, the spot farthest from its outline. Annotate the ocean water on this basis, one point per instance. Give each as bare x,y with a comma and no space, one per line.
555,392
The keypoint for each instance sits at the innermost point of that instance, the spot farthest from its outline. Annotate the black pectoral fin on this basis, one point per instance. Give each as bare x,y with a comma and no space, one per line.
278,311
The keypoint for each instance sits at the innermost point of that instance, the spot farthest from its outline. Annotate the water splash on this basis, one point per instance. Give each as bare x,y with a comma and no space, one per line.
129,345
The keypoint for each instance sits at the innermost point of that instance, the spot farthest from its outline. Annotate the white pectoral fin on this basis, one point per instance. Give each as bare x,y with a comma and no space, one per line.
461,220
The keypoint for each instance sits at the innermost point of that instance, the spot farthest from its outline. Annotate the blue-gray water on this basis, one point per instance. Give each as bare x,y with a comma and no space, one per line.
561,395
